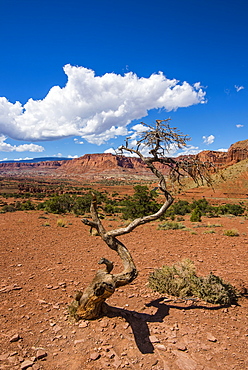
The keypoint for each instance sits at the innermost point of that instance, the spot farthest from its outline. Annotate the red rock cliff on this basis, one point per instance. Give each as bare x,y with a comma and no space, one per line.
236,153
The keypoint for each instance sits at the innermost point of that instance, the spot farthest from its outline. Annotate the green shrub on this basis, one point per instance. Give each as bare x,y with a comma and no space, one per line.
181,207
82,204
181,281
59,204
196,215
202,205
142,203
232,209
8,208
28,205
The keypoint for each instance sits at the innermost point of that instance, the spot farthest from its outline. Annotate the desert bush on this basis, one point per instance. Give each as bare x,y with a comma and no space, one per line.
202,205
171,225
28,205
181,207
8,208
231,232
232,209
181,281
82,204
61,223
140,204
196,215
59,204
66,203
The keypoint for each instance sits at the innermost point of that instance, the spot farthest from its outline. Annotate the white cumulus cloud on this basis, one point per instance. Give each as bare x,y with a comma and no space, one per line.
5,147
208,139
97,108
239,126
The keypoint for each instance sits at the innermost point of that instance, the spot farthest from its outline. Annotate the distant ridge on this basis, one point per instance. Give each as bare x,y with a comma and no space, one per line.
108,166
36,160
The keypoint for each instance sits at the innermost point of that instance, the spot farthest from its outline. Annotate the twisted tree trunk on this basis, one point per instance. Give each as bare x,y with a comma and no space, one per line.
91,302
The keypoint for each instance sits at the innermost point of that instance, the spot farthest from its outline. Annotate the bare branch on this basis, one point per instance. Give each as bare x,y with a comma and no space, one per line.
159,140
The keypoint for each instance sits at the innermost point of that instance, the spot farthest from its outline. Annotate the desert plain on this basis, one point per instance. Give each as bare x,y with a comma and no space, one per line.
43,265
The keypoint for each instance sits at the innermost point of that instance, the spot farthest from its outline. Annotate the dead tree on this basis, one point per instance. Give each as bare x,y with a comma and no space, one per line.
90,304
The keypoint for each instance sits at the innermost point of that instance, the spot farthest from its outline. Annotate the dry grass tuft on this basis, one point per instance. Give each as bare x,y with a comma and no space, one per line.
181,281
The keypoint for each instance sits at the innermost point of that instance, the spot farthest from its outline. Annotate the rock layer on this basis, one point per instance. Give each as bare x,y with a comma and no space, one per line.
107,164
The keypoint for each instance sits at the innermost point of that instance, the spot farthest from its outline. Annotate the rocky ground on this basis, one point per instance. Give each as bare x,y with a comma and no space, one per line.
42,265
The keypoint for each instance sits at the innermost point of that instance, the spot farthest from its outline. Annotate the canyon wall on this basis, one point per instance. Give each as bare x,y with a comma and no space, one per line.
110,165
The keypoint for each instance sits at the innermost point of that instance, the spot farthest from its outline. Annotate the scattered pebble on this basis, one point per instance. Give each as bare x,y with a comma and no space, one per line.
41,354
15,338
83,324
26,364
211,338
154,339
95,356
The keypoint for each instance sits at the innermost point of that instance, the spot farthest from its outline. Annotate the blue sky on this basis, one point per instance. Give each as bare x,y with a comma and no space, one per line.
77,77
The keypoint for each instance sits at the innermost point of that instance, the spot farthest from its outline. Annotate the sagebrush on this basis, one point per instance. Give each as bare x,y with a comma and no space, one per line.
180,280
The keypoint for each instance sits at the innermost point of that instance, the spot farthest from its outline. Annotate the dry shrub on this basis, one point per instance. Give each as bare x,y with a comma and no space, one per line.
231,232
61,223
171,225
181,281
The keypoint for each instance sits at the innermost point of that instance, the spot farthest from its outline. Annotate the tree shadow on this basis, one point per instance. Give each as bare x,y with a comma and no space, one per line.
138,322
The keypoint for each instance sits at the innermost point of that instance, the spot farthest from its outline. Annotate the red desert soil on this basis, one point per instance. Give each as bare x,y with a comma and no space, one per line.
43,266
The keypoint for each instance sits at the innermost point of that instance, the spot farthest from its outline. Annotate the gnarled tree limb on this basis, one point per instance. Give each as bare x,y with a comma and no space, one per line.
91,303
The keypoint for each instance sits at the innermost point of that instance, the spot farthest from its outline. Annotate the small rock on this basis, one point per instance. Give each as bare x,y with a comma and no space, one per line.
211,338
95,356
154,339
111,354
62,283
41,354
103,324
184,361
181,346
15,338
26,364
83,324
77,341
161,347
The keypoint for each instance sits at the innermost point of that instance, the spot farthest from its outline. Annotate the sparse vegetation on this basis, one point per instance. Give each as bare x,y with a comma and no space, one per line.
196,215
181,281
171,225
46,223
231,232
61,222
